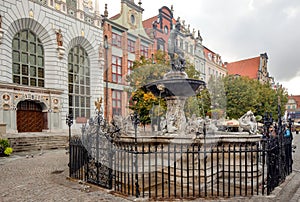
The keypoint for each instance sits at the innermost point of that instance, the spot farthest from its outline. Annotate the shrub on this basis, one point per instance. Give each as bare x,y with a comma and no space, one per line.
5,148
4,143
8,150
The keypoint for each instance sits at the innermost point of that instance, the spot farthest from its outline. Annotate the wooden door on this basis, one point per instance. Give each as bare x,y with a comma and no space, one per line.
29,117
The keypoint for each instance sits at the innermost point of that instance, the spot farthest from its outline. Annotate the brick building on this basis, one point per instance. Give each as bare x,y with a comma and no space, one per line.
293,107
127,42
159,27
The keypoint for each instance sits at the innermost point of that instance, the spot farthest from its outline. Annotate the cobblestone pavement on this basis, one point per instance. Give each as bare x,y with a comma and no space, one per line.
43,178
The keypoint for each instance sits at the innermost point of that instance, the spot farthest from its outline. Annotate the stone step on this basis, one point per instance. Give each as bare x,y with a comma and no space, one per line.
38,143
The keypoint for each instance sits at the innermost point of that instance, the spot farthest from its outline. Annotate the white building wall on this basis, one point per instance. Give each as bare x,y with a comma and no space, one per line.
43,21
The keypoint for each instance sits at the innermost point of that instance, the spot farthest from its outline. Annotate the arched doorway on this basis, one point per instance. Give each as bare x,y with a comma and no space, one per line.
30,117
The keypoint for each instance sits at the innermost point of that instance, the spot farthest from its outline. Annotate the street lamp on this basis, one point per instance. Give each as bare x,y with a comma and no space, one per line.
69,122
106,75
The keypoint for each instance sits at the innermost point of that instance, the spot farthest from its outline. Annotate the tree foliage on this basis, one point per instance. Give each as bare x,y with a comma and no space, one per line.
197,104
244,94
145,71
231,96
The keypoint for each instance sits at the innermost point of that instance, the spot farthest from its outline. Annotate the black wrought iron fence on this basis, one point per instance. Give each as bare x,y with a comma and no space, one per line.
279,159
169,169
177,170
79,159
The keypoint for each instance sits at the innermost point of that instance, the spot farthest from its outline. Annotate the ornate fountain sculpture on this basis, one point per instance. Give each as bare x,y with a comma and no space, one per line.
175,87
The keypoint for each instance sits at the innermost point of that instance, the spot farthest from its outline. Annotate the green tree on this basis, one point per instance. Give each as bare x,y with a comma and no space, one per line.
200,103
191,71
143,72
218,100
148,70
244,94
143,103
241,96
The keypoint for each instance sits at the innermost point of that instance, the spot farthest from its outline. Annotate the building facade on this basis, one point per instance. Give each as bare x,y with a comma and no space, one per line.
158,28
214,65
189,42
50,63
293,107
127,41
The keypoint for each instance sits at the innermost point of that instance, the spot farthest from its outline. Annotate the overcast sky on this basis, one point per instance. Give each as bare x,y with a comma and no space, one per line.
241,29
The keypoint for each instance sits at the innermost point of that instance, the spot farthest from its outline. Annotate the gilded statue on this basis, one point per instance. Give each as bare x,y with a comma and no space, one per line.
98,104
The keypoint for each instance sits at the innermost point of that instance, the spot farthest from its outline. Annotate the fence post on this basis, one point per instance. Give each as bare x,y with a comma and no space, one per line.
69,122
135,120
290,154
280,134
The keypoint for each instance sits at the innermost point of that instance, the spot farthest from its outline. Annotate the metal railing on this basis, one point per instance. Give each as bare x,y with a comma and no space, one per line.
178,170
172,168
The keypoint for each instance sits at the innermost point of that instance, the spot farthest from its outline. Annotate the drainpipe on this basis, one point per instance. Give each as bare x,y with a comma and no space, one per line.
106,76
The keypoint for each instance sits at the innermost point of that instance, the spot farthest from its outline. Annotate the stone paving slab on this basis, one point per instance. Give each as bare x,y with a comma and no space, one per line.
43,178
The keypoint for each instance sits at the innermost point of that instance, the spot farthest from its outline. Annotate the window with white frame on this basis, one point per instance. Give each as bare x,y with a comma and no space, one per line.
129,66
79,82
28,59
117,102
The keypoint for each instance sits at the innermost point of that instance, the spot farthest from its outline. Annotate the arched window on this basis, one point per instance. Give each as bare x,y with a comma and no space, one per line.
79,82
28,59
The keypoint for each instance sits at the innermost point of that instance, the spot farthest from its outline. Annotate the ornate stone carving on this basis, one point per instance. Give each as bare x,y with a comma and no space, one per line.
59,39
176,55
248,122
195,125
88,4
6,97
175,114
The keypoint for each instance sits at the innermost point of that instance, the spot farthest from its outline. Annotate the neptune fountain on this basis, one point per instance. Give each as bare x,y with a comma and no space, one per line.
175,87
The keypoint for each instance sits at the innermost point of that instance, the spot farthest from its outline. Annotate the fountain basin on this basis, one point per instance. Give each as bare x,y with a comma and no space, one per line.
182,87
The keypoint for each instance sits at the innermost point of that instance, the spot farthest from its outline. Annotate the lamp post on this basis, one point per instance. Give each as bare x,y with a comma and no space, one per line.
69,122
106,75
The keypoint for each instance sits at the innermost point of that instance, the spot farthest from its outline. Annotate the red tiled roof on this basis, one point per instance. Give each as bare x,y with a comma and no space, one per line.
248,67
148,23
115,16
206,51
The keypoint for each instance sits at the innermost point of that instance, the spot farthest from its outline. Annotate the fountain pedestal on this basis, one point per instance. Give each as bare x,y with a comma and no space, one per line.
176,121
175,87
